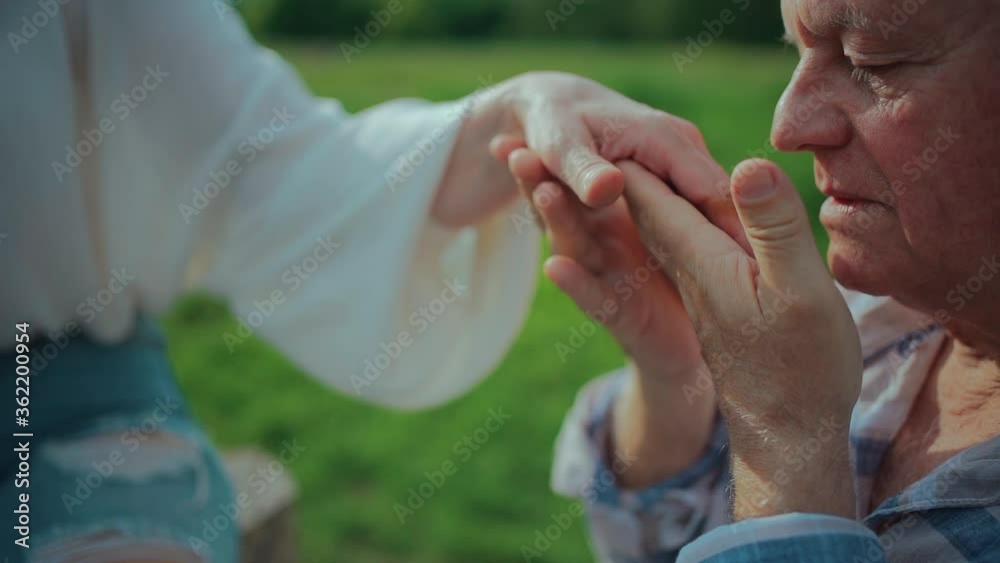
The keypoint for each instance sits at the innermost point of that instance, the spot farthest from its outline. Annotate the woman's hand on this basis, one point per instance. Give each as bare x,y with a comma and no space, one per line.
778,333
600,262
578,128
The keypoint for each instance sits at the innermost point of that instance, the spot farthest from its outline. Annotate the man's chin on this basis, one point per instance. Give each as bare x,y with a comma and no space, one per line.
855,268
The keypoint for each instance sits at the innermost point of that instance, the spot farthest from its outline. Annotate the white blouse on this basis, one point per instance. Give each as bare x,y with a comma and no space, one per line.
151,148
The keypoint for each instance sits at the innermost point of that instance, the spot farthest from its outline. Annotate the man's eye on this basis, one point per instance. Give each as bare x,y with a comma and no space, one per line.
862,74
872,75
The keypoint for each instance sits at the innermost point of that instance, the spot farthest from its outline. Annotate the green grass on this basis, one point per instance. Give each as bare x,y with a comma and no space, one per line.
360,460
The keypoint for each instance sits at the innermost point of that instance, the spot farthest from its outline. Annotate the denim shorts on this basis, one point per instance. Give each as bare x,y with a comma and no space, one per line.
116,467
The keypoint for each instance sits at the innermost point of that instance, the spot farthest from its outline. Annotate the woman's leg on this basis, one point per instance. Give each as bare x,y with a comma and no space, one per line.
119,470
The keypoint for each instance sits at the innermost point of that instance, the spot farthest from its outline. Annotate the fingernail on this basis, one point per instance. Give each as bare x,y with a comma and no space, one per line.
757,186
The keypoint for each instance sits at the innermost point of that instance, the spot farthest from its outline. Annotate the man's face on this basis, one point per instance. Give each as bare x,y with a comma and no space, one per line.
899,101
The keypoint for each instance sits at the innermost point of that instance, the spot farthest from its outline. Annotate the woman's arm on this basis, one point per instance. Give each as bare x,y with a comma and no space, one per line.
224,173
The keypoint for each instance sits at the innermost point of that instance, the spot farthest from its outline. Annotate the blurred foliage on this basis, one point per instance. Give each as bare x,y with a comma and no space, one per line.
751,20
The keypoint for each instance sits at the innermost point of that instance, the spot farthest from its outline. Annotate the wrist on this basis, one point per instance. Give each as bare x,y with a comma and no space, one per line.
474,186
791,470
495,109
659,428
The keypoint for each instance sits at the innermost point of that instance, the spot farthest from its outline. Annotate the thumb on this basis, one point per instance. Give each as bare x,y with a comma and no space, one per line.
776,225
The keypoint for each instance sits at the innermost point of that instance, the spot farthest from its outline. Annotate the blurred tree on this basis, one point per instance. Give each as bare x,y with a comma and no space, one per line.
317,18
753,21
750,20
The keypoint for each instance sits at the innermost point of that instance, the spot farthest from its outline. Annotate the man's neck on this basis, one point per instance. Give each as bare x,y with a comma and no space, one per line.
966,384
957,408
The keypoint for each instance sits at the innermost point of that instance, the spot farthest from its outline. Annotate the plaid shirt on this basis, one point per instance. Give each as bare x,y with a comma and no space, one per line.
951,515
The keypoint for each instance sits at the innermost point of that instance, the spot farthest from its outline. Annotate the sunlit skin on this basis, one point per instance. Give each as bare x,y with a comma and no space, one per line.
578,128
902,117
913,125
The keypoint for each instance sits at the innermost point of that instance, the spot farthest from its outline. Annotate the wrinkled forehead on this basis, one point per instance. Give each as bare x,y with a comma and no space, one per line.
900,18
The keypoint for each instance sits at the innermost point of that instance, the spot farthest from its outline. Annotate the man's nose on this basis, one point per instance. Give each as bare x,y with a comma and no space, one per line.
807,116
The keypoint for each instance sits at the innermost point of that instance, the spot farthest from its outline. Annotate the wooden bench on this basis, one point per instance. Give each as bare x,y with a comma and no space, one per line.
268,529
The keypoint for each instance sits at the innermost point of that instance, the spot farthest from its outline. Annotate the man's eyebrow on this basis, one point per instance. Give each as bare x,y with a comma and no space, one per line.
850,19
853,19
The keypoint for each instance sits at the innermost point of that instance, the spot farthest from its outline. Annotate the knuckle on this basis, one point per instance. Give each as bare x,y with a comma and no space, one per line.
680,127
664,121
777,230
691,131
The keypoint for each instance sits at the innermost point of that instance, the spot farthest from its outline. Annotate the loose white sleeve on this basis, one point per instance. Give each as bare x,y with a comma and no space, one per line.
222,172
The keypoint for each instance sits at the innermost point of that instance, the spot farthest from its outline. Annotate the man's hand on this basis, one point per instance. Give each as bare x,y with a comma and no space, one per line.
599,261
786,349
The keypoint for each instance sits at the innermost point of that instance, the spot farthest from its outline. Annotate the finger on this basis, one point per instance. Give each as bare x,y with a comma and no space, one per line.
777,226
564,218
528,172
671,227
690,131
505,143
670,154
568,150
528,167
583,287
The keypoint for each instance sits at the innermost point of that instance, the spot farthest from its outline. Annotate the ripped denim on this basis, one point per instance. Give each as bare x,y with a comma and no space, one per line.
117,467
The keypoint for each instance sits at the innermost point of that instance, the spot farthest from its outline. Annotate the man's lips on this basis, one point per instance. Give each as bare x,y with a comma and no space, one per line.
840,205
844,197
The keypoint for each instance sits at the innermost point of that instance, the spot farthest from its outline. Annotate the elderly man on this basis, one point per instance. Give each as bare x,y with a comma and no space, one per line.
787,439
